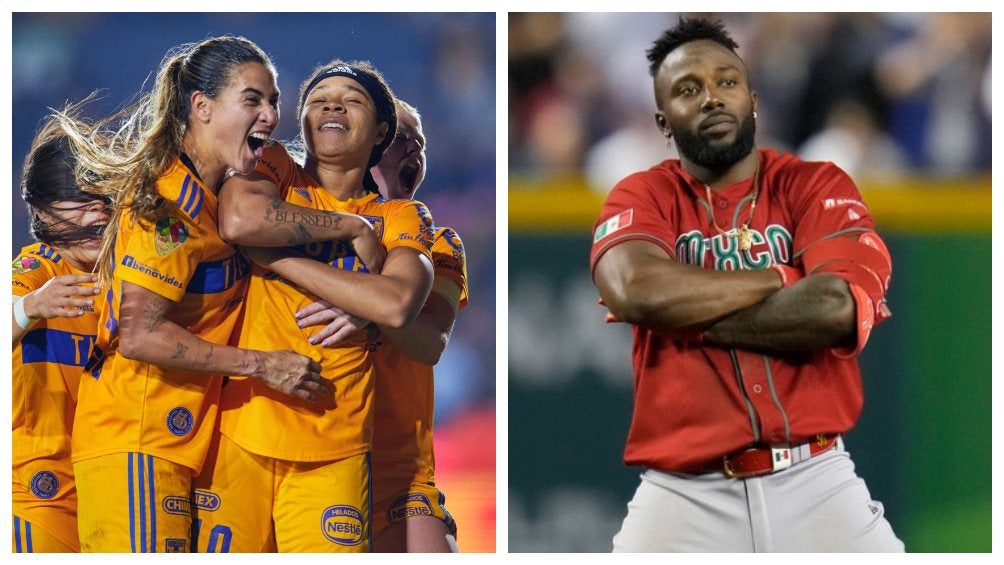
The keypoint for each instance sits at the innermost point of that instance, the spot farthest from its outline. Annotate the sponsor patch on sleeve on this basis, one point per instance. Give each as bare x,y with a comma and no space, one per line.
618,222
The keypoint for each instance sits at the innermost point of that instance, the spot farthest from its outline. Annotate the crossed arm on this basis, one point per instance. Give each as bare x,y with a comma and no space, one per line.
642,285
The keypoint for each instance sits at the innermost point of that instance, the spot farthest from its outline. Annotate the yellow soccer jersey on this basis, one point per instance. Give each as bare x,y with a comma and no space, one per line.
46,371
130,406
403,401
270,423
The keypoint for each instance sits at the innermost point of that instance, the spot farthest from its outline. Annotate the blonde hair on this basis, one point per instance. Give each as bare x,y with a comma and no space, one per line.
125,155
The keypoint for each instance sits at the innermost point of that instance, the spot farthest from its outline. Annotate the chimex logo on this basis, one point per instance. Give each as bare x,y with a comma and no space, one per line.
177,505
342,524
170,234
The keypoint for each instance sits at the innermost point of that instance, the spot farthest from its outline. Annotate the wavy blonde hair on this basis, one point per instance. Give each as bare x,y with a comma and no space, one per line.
123,156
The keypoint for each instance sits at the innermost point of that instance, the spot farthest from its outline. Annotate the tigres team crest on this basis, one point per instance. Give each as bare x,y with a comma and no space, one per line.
377,223
44,484
25,263
170,235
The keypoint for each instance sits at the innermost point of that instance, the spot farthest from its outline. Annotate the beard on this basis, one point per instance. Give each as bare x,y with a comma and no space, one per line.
713,157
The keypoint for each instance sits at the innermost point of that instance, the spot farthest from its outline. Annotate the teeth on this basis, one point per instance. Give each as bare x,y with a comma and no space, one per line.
260,135
331,125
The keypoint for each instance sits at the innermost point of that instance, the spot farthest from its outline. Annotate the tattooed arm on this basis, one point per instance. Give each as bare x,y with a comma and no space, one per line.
146,334
253,214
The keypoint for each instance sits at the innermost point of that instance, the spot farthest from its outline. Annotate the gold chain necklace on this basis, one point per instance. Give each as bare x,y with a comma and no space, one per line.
745,237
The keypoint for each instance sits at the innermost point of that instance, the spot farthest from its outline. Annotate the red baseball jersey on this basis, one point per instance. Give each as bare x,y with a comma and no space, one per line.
694,404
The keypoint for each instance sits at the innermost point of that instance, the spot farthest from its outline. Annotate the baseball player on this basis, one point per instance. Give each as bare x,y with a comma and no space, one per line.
310,466
55,319
752,279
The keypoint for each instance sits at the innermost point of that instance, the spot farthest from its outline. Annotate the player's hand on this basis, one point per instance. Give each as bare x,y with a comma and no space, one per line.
368,248
291,373
64,296
340,324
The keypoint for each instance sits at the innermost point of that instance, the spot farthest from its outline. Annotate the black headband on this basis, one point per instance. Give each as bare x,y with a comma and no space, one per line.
372,85
384,105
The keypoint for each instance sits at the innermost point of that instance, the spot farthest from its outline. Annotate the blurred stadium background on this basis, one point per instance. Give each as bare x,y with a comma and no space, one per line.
900,101
442,63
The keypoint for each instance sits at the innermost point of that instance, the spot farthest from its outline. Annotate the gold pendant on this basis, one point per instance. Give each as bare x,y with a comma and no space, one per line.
745,239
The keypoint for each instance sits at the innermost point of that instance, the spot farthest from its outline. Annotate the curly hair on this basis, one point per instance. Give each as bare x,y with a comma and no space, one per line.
685,31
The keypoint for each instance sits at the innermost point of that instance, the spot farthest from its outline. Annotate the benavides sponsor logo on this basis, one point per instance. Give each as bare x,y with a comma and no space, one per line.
342,524
130,262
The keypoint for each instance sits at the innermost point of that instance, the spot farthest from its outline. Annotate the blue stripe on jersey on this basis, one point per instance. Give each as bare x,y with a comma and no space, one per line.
142,501
132,510
49,253
55,346
193,190
198,202
217,276
153,506
180,202
17,535
27,537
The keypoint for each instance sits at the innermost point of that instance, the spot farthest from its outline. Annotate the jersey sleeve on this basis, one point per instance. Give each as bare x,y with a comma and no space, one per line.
29,273
450,263
278,166
409,224
835,235
632,212
827,205
161,257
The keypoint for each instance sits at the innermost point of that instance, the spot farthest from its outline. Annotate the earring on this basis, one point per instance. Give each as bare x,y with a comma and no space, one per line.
754,114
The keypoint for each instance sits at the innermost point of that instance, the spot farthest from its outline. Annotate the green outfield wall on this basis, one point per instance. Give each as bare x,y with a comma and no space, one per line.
923,443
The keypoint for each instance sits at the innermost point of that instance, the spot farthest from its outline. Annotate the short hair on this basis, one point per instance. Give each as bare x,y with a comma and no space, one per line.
685,31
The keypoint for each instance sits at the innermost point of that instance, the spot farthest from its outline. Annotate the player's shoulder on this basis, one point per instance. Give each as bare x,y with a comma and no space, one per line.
277,156
661,178
181,187
789,167
36,256
448,237
35,264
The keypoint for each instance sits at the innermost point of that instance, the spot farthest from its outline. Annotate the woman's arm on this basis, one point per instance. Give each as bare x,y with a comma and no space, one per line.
425,339
147,335
253,214
392,298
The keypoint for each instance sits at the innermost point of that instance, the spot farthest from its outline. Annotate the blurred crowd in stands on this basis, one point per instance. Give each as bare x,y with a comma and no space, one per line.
879,94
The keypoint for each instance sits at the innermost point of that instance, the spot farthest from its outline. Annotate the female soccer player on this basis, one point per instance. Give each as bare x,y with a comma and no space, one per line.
314,459
54,322
149,396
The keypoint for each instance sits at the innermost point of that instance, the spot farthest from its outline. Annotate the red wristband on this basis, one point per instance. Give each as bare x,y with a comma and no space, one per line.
788,274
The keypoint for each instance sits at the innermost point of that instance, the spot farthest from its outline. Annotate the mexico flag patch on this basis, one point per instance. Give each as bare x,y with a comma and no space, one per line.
615,223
